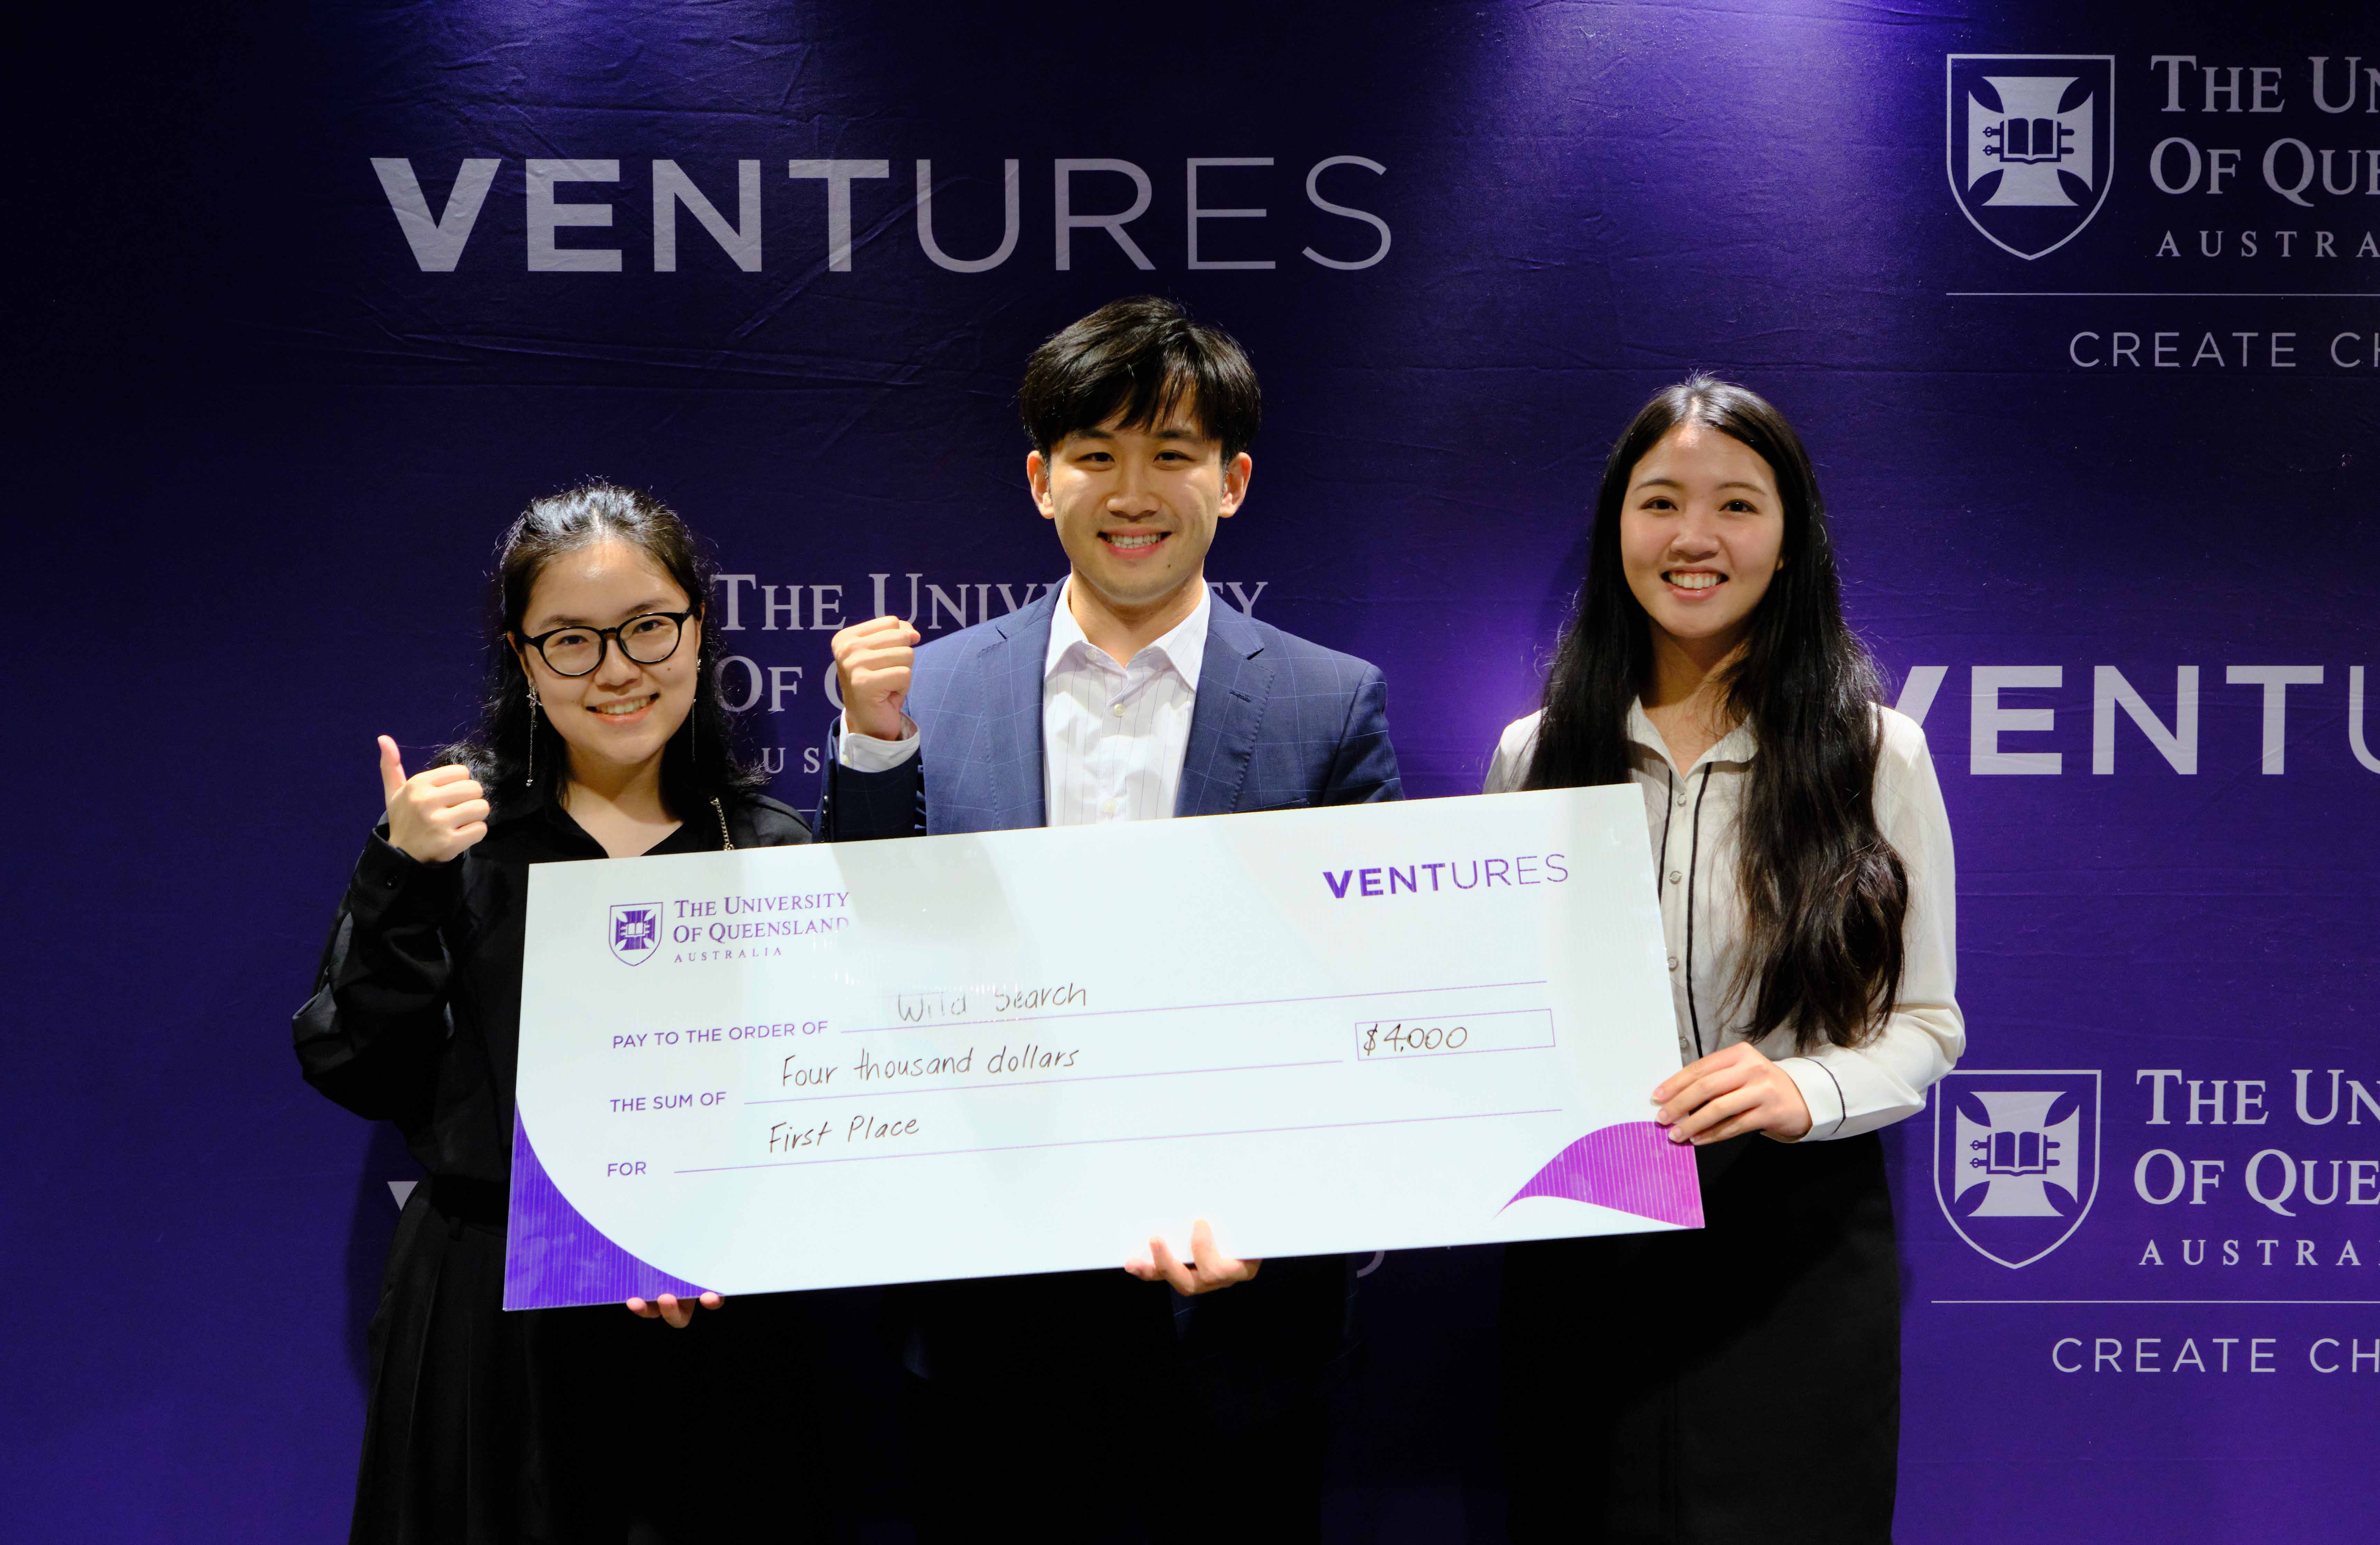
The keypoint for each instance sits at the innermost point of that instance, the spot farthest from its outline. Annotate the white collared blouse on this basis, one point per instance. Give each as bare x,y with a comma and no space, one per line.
1692,819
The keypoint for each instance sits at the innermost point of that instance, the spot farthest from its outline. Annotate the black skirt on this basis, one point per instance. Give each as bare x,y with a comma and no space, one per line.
582,1425
1740,1381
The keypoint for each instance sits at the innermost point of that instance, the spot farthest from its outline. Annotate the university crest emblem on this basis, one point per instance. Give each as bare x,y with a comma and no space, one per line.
636,930
2016,1158
2031,145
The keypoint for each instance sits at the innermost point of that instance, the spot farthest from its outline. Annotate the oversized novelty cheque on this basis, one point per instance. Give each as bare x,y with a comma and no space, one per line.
1367,1028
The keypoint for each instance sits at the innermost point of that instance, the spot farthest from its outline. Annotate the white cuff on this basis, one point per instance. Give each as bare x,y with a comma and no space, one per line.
866,753
1820,1092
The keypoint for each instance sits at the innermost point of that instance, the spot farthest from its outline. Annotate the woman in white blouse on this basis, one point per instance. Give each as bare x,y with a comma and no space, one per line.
1742,1381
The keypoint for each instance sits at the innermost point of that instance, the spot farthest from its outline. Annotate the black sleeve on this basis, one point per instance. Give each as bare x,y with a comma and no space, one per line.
761,822
371,1035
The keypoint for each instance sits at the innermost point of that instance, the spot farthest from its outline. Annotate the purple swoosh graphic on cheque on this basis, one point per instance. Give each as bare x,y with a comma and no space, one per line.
1630,1167
554,1258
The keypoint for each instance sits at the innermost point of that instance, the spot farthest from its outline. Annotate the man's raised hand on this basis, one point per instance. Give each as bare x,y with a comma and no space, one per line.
432,816
871,665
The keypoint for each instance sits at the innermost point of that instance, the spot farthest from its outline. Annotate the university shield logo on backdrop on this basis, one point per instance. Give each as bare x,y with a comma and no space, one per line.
2031,145
636,930
2016,1158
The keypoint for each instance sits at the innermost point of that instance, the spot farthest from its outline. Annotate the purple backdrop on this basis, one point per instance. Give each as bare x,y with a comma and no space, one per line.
2082,339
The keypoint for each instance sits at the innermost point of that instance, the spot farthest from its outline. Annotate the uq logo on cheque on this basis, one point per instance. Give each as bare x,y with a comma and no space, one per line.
2016,1158
636,930
2031,145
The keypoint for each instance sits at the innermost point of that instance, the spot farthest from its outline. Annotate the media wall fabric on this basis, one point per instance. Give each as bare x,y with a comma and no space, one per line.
2075,307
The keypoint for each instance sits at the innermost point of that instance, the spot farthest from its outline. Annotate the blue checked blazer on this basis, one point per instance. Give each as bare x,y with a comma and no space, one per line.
1279,724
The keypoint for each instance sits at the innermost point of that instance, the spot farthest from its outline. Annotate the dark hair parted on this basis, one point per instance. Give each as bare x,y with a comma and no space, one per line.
1139,358
702,759
1823,893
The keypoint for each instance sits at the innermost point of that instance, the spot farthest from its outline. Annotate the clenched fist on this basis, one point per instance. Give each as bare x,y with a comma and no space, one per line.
432,816
871,665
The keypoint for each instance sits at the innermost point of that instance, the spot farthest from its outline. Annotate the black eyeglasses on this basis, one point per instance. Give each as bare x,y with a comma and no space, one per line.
647,640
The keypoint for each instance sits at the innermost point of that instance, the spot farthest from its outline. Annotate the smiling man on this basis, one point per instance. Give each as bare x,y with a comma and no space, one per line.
1179,1393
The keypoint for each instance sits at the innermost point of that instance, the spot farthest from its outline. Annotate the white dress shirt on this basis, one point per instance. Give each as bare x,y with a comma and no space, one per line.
1692,816
1112,737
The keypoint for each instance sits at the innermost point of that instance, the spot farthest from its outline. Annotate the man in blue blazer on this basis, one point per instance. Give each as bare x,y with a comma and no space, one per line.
1155,1401
1281,723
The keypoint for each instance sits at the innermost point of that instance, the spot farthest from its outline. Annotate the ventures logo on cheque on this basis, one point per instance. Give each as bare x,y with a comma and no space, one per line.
2016,1158
2031,145
636,930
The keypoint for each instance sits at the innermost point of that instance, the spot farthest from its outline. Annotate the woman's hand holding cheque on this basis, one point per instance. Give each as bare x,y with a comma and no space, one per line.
1728,1093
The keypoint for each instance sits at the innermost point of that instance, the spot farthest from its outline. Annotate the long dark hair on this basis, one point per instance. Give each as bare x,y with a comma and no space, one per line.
703,760
1823,893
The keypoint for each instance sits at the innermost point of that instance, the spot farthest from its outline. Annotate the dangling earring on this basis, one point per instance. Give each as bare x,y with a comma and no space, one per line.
530,780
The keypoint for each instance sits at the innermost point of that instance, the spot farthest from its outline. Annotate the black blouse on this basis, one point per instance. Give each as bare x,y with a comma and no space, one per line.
415,1016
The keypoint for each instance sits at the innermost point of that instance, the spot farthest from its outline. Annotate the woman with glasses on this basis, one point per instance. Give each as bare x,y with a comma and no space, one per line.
1739,1382
601,736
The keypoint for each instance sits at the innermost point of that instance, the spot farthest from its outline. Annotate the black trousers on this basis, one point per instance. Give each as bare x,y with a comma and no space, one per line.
1109,1467
1074,1409
1739,1383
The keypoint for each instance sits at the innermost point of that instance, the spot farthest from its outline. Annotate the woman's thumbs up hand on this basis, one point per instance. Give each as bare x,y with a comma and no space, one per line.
432,816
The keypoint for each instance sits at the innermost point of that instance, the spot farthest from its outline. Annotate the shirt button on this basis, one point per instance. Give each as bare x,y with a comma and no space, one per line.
1106,806
1675,877
1682,801
1119,709
1673,963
